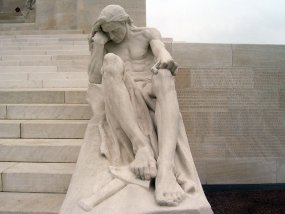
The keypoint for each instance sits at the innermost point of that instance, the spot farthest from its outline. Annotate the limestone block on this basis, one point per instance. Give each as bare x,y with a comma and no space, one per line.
13,76
78,96
4,166
17,26
269,78
66,14
80,67
250,123
26,69
203,99
259,55
26,57
31,96
9,129
282,99
49,112
253,99
68,52
281,170
38,177
71,57
230,78
201,169
30,202
65,83
40,150
21,84
21,52
45,14
208,151
53,129
183,79
189,55
3,111
58,76
241,172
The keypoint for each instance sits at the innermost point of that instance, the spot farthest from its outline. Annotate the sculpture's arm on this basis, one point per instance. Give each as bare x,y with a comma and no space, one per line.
96,62
163,58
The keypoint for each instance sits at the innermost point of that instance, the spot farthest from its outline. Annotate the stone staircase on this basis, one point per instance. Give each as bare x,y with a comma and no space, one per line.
43,116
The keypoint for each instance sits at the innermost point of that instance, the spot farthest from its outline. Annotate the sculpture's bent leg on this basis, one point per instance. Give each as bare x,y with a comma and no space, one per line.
168,191
118,99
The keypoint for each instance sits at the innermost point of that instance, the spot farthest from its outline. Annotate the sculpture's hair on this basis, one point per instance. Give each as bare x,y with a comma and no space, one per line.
111,13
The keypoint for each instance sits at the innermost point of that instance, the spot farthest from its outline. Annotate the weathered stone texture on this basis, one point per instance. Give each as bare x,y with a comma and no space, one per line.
234,113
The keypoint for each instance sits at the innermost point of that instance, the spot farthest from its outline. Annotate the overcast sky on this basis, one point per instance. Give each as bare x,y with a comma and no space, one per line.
219,21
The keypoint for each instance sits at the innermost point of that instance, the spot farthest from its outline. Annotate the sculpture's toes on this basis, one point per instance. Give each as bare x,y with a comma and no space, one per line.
169,199
145,170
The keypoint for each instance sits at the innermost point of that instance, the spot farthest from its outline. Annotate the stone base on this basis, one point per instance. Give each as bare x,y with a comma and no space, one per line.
90,169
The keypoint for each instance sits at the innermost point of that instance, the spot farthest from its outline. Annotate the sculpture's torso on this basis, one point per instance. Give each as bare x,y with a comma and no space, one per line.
135,51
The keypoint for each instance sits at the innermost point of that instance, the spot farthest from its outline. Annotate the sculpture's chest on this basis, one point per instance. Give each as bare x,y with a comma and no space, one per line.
133,50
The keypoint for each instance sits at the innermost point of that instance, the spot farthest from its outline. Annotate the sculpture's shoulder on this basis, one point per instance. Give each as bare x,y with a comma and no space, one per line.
148,33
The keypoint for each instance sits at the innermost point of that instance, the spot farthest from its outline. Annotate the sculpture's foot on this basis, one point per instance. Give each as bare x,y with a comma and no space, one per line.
167,190
144,165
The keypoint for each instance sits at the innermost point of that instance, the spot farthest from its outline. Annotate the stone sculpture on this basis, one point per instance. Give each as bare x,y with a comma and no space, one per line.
142,136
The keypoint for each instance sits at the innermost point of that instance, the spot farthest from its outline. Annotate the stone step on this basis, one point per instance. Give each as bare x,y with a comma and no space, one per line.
40,150
43,129
46,36
45,43
37,177
44,52
19,29
43,75
27,69
67,47
44,57
44,83
30,203
73,63
43,96
47,111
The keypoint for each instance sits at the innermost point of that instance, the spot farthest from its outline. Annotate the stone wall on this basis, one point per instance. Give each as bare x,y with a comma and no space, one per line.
80,14
232,98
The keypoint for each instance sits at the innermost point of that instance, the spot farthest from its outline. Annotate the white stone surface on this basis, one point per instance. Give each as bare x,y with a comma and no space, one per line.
13,76
78,96
40,150
21,84
28,69
37,177
29,96
26,57
58,76
53,129
48,111
40,203
2,111
4,166
65,83
9,129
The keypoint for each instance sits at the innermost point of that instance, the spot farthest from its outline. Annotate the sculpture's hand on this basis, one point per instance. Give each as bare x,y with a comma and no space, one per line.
165,63
99,38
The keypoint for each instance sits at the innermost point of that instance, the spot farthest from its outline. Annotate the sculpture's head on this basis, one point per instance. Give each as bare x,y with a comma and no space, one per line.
113,20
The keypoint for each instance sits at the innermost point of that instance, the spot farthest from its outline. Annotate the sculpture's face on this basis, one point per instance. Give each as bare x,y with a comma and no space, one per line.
116,30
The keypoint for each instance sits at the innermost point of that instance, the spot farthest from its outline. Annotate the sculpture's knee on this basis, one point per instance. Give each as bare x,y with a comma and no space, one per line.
113,66
163,82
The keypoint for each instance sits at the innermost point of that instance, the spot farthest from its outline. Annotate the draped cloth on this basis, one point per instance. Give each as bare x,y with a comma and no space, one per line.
106,144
